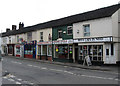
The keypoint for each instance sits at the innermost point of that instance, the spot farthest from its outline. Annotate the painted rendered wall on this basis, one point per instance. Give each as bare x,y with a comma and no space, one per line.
46,33
64,35
34,35
115,26
13,39
98,28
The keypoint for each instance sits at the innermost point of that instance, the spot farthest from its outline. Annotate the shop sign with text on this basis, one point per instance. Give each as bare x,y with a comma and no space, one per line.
96,39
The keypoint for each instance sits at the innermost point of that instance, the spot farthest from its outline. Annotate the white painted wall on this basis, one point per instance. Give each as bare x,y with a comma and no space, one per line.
46,33
98,28
115,26
34,35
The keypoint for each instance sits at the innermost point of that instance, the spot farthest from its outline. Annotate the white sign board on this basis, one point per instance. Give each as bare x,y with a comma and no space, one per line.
63,42
87,60
97,39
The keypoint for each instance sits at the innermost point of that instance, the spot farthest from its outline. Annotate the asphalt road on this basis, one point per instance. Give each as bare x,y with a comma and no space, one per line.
18,71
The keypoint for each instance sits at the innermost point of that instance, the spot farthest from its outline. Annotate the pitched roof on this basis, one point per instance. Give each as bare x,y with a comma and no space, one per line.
91,15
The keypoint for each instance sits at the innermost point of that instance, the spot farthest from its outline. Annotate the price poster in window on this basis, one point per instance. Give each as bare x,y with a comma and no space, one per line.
56,49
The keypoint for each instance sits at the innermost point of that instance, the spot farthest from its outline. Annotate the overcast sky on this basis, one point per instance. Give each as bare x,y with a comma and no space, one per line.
32,12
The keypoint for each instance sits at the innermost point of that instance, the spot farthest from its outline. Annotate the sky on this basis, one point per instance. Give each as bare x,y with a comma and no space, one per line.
32,12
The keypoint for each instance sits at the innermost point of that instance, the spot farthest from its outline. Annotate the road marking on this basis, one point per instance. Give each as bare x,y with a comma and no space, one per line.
5,77
44,68
19,79
12,76
31,83
65,66
11,80
29,65
16,62
18,83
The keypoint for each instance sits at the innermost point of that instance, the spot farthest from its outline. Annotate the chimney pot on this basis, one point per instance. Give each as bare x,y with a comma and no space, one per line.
8,29
14,27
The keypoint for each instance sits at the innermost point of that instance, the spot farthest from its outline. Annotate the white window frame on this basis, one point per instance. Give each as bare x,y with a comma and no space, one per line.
84,30
70,29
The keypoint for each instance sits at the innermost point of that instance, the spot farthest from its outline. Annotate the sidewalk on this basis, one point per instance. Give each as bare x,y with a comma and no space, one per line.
101,68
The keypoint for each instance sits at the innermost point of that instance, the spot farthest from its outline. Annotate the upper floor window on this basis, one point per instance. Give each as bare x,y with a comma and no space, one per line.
86,30
69,30
41,36
29,36
59,33
9,39
17,38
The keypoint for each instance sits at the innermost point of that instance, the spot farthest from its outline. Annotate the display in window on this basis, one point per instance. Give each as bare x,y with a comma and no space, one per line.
60,50
70,49
56,48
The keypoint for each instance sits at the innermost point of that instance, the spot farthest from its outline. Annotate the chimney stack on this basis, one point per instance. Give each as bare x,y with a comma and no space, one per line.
21,25
14,27
8,29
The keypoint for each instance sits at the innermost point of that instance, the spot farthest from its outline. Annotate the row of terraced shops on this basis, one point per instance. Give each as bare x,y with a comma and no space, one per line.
73,38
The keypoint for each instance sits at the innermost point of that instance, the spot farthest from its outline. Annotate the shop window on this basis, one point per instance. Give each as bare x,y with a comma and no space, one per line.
107,51
70,51
41,36
44,50
94,51
59,33
86,30
49,50
29,49
69,30
61,51
112,49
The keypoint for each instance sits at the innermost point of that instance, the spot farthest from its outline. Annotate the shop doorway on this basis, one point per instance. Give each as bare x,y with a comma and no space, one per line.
76,54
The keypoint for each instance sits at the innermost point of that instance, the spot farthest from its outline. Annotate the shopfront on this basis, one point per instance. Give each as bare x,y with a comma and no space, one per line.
95,48
30,49
11,49
44,51
19,50
63,50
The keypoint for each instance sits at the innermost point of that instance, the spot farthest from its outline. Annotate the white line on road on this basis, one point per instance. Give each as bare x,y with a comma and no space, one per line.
11,80
44,68
4,77
29,65
19,79
18,83
16,62
12,76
